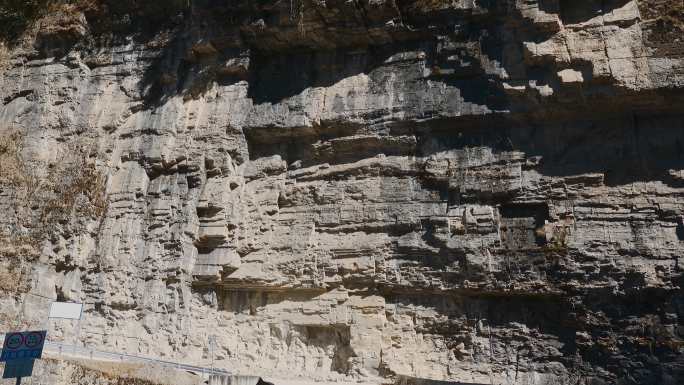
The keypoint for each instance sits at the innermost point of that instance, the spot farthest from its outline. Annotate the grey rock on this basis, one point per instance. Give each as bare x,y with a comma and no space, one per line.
375,191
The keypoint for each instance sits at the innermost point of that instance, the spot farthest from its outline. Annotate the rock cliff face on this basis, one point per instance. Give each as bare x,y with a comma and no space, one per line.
488,192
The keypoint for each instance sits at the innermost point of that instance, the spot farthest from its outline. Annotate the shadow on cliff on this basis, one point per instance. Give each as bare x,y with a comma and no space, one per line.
625,146
273,76
571,138
574,11
585,326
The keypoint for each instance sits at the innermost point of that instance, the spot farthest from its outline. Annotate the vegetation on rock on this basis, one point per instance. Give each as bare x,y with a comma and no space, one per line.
46,197
664,24
17,15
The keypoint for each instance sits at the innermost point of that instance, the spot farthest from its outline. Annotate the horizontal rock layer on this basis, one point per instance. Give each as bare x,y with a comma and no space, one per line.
376,190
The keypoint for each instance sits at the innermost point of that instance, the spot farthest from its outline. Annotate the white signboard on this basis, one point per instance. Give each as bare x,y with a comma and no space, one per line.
66,310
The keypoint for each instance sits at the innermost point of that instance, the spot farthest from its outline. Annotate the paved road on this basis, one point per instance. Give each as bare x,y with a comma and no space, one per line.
56,348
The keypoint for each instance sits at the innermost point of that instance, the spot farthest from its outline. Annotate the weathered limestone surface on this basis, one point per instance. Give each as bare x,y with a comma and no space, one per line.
488,192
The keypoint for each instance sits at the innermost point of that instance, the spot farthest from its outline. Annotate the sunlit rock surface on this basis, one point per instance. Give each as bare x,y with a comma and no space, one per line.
484,192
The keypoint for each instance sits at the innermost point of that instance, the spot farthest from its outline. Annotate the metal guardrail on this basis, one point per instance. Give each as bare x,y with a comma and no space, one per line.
78,351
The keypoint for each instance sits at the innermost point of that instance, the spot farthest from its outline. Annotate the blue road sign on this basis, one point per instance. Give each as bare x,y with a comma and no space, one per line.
18,368
23,345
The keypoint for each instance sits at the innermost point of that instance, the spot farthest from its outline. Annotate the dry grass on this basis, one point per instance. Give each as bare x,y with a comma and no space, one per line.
13,269
4,55
84,371
54,191
42,200
664,25
559,237
82,375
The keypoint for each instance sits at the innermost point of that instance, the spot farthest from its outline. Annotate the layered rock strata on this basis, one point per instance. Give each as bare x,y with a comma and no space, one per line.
484,192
